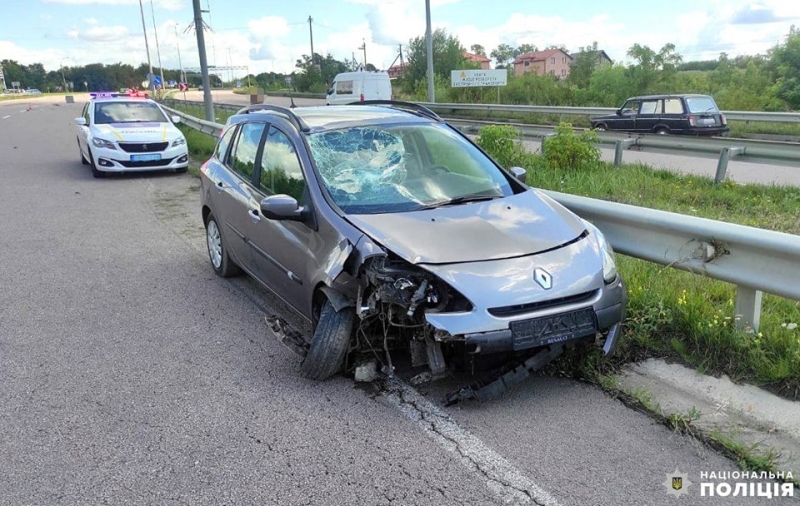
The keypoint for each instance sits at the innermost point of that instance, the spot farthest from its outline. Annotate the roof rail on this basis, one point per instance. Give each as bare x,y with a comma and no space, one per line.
290,115
403,105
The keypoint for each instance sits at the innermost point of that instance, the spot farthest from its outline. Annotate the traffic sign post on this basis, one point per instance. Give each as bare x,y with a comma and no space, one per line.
479,78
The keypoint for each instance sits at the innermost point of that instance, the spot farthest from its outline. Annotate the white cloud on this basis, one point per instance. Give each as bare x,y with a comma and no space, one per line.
100,33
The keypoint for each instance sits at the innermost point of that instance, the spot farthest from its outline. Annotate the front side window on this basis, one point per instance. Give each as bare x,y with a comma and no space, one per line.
631,107
243,158
128,112
385,169
280,167
344,87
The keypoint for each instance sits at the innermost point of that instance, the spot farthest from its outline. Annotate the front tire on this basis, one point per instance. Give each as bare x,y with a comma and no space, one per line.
221,262
601,127
96,173
329,344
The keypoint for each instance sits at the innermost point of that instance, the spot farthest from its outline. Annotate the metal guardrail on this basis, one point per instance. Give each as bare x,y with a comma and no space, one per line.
756,116
748,116
753,259
719,148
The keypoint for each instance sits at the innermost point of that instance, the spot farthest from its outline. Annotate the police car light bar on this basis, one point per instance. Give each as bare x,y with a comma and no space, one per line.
109,94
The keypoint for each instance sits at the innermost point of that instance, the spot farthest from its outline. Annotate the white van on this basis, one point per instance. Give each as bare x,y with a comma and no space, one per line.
359,86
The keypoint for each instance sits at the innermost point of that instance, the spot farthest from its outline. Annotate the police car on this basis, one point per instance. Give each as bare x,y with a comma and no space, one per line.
127,133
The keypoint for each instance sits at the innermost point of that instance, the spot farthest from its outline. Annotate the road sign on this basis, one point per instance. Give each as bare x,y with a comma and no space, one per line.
183,87
471,78
172,83
157,80
15,84
238,84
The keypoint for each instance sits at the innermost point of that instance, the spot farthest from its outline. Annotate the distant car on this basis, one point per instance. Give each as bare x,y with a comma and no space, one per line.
33,91
386,228
122,133
666,114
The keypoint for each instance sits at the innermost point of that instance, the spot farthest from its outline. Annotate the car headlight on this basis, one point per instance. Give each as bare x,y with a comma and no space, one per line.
607,252
102,143
180,141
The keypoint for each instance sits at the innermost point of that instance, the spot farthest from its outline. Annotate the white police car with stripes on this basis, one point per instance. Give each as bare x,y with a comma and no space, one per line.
127,133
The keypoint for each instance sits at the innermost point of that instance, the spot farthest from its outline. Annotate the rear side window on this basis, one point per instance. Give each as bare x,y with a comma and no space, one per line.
222,146
344,87
673,106
243,158
701,104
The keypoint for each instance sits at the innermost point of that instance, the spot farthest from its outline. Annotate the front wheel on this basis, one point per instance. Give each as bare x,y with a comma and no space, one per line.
217,251
329,344
96,173
601,128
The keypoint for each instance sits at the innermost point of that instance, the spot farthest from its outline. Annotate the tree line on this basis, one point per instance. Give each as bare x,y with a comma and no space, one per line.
769,82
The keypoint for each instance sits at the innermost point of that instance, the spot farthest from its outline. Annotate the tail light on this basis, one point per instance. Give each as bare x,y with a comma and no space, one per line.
693,120
362,97
724,119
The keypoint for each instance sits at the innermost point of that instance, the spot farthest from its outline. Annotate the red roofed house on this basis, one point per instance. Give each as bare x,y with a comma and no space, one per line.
479,59
551,61
396,71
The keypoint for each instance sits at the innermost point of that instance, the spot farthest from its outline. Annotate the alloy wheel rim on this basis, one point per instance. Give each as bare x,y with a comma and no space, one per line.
214,244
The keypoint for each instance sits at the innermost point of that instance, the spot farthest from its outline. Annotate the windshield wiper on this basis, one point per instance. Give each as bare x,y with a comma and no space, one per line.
473,197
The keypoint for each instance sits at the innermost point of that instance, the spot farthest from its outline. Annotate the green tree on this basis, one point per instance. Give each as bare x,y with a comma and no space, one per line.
448,54
584,65
477,49
652,70
316,77
786,60
525,48
502,55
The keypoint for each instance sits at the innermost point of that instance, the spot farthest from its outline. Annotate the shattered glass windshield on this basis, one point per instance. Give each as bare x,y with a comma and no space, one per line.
384,169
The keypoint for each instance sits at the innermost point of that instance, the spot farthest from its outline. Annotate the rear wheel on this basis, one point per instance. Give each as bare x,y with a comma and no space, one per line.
661,131
217,251
330,343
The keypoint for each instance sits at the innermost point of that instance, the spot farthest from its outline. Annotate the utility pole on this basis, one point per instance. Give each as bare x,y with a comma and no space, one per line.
311,36
429,50
150,86
158,51
230,67
364,47
402,65
201,49
178,44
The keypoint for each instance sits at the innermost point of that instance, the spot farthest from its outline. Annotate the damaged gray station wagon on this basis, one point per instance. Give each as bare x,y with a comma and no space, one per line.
387,229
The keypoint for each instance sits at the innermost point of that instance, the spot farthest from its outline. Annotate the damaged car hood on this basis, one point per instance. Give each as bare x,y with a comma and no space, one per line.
523,224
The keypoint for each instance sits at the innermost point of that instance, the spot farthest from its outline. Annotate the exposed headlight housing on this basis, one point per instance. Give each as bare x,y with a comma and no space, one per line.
607,252
102,143
180,141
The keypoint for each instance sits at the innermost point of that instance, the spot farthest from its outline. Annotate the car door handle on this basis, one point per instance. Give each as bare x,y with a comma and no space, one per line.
254,215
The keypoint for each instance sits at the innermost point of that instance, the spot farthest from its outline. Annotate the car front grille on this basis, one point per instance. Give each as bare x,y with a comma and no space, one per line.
143,147
148,163
519,309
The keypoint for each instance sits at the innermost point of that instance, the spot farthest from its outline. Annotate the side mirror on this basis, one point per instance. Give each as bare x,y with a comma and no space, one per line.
519,173
80,121
282,207
619,112
330,91
176,119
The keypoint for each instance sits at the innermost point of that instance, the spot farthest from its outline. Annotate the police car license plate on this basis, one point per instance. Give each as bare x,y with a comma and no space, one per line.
145,158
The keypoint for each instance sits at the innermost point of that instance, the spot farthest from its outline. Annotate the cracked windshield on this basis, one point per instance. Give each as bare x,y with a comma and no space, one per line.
384,169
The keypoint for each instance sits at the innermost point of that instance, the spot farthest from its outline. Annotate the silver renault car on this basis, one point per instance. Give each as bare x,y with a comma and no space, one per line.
387,229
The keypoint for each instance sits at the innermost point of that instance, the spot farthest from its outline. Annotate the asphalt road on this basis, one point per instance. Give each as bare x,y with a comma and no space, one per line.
131,374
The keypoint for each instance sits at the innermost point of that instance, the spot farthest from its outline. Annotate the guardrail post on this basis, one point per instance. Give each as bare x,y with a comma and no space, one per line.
748,308
722,166
544,140
619,147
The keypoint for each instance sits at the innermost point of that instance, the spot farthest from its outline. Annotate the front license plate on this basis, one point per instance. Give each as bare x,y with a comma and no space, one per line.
553,329
145,158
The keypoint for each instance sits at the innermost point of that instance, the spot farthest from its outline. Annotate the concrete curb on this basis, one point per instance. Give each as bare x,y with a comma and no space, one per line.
743,413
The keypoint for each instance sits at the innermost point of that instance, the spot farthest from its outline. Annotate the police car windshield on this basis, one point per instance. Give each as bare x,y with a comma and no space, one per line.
127,112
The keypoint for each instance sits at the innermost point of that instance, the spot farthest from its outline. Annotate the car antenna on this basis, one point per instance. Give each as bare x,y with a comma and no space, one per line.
293,105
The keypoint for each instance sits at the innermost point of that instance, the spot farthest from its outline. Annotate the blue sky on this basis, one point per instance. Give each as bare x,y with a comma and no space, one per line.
266,35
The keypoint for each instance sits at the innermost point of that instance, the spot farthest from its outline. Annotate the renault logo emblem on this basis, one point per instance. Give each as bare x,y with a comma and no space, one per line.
543,278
